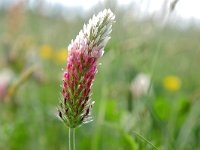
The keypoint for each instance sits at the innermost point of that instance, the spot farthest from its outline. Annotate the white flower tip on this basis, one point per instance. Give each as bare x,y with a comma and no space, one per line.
94,34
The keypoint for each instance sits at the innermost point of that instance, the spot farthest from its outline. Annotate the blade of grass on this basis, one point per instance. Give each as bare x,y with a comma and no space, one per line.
144,139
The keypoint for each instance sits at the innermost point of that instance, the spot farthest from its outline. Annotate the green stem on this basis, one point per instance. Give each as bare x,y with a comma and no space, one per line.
130,102
72,139
143,138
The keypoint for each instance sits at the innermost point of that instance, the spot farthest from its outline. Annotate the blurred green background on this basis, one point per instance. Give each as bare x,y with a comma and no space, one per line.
147,86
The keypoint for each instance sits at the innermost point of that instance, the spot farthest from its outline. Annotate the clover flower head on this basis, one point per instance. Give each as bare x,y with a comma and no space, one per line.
83,53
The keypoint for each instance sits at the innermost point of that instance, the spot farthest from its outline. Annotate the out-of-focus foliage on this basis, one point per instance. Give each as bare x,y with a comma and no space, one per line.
33,53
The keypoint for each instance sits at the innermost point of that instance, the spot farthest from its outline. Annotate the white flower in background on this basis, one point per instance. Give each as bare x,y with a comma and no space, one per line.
6,76
140,85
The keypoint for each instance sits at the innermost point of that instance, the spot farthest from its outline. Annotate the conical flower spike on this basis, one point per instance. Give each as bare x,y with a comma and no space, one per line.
81,68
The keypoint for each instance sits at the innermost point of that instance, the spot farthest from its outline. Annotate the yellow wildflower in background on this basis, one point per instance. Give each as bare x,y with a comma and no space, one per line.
45,52
61,55
172,83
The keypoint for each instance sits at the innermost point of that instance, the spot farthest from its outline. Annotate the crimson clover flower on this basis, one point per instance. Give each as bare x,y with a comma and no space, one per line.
83,54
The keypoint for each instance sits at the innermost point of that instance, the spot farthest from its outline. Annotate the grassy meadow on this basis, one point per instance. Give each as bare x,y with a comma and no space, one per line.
33,54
